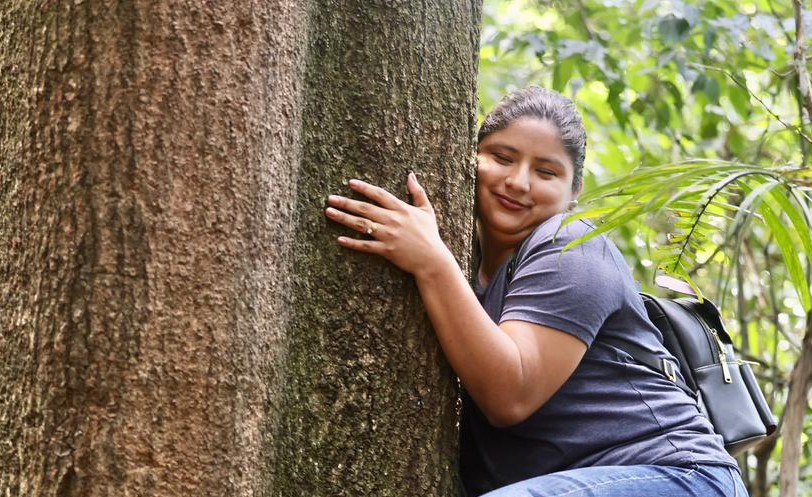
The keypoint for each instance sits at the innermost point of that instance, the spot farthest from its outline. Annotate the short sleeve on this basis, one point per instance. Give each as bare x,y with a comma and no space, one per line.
574,291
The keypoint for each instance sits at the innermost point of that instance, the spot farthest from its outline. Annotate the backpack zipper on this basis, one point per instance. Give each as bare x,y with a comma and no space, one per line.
720,347
722,356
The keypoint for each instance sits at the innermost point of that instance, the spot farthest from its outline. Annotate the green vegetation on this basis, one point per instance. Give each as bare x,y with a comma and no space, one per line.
698,118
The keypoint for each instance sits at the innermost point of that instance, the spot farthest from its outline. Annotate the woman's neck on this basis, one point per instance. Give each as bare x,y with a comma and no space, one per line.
494,252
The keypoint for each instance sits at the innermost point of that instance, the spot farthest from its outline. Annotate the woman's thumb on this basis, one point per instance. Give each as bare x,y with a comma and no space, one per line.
417,192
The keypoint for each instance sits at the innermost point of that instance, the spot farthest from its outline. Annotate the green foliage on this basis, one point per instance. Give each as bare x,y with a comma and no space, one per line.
703,198
698,147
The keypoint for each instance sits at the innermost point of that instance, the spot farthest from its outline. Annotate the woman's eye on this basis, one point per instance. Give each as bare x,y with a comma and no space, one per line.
545,172
502,159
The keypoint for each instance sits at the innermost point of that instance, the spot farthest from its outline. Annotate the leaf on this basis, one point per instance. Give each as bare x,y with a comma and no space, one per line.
707,85
740,98
709,39
673,29
562,72
790,256
799,220
737,142
710,126
675,92
615,104
663,113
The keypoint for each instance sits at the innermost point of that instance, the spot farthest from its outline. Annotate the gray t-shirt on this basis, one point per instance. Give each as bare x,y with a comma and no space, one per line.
612,410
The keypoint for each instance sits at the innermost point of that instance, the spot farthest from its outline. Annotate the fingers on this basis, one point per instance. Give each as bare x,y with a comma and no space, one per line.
358,207
360,216
357,223
375,193
368,246
385,220
383,197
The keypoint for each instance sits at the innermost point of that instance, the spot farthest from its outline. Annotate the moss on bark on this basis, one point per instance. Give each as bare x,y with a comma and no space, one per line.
370,406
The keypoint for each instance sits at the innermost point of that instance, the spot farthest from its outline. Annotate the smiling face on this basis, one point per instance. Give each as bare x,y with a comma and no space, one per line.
524,177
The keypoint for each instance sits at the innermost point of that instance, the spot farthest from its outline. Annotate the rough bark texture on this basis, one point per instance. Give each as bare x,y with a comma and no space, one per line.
761,480
147,180
156,159
792,425
371,408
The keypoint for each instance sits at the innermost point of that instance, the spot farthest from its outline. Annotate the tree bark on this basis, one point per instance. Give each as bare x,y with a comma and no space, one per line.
759,484
149,156
371,407
176,317
794,413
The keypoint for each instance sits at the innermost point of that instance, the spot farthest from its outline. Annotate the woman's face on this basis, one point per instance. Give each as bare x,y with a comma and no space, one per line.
524,177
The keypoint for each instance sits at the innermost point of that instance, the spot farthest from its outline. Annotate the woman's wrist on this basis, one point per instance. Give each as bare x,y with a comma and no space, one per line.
438,268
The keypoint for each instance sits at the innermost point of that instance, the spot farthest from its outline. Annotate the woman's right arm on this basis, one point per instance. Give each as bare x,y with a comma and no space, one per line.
510,370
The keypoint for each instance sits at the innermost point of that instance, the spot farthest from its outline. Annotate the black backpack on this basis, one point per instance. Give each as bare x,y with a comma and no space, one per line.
723,385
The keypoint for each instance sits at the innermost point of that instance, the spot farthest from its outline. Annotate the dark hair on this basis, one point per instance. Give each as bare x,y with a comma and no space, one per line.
546,105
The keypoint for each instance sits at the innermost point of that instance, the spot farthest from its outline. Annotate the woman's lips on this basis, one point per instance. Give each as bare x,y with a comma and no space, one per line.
509,203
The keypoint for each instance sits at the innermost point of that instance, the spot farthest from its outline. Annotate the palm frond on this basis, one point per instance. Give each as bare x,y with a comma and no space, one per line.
791,260
709,205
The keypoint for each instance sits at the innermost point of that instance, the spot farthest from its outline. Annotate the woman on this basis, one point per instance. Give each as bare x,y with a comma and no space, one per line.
550,409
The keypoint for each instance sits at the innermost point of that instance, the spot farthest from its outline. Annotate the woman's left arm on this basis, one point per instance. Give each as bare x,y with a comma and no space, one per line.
510,370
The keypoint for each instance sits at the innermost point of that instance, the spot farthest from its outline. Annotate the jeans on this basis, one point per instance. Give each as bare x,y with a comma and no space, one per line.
631,481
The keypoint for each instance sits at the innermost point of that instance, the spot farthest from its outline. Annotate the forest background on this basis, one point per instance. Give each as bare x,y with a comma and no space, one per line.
698,120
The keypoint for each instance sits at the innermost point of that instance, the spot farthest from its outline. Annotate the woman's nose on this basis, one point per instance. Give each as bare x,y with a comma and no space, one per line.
519,179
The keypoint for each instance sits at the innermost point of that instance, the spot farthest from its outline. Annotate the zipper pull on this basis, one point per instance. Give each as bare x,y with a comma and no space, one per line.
722,356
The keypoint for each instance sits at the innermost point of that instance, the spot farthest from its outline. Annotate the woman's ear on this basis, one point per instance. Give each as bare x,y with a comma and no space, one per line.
580,189
573,203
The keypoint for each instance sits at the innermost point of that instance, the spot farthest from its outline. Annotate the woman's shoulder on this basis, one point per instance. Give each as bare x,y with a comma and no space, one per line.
553,241
560,231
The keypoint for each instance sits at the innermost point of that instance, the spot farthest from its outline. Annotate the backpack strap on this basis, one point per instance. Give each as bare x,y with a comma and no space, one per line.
664,366
511,267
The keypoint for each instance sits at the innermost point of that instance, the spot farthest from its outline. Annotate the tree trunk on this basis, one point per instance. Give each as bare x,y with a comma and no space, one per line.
371,407
794,414
761,480
149,155
792,425
162,176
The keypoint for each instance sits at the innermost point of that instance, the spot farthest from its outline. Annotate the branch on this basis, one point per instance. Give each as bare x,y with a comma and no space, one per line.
800,59
796,129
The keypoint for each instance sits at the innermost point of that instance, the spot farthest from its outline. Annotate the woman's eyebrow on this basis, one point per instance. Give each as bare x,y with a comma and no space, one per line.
506,147
516,151
550,160
503,146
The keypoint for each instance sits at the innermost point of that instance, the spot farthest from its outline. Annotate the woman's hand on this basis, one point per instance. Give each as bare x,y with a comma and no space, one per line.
406,235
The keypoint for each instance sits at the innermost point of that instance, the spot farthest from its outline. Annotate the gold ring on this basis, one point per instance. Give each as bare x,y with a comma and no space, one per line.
372,229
